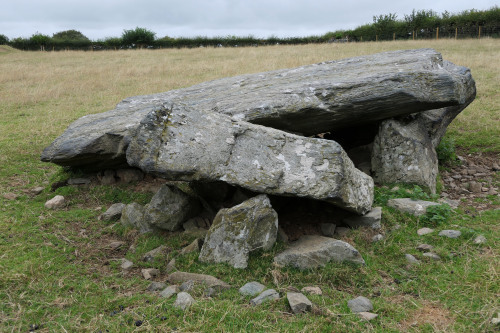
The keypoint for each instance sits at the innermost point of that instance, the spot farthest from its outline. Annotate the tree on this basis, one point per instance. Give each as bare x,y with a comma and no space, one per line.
40,40
139,37
70,35
3,39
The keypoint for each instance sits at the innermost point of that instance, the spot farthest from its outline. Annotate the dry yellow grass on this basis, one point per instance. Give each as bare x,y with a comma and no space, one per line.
43,92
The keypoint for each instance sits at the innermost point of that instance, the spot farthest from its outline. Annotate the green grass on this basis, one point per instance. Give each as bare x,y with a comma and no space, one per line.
57,273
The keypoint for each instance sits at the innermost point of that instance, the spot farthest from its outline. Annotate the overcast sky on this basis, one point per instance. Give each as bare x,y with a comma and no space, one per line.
98,19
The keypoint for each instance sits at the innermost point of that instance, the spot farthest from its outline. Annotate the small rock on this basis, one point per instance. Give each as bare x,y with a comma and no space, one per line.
268,295
169,291
37,190
184,300
312,290
396,227
450,233
107,177
480,239
495,167
395,189
360,304
113,213
431,255
210,281
211,292
475,187
328,229
496,321
190,224
195,246
155,286
450,202
424,231
129,175
155,253
170,266
187,286
56,202
149,273
78,181
367,315
492,191
298,302
424,247
407,205
342,231
138,323
411,259
12,196
252,289
126,264
377,238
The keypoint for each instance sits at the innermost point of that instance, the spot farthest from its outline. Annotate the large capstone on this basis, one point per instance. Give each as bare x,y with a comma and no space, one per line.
310,99
180,143
237,231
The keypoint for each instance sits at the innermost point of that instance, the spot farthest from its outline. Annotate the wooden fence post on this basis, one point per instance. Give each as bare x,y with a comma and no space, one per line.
456,33
479,36
376,38
394,36
437,33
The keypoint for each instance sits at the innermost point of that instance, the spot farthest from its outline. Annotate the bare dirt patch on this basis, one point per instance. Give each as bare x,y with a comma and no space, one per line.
431,313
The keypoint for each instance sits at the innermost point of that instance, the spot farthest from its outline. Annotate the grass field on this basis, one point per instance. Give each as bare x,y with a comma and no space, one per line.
55,275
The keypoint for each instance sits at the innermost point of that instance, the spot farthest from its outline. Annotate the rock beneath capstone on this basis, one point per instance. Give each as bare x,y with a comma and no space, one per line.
183,300
431,255
309,99
424,231
155,286
328,229
113,213
298,302
371,219
252,289
360,304
342,231
129,175
237,231
170,291
411,206
316,251
107,177
367,315
450,233
312,290
149,273
180,143
155,253
411,259
210,281
133,216
170,208
480,239
56,202
268,295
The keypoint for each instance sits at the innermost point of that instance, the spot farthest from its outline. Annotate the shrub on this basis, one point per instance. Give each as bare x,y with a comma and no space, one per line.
436,215
446,151
3,39
139,37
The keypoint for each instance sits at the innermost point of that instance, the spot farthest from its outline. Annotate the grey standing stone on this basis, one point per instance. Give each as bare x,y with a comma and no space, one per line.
316,251
411,206
450,233
184,300
252,289
126,264
268,295
149,273
170,291
298,302
56,202
237,231
180,143
367,315
371,219
360,304
424,231
133,216
328,229
170,208
114,212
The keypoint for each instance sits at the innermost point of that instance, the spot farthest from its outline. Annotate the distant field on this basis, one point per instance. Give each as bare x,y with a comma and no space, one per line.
53,273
